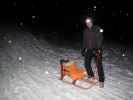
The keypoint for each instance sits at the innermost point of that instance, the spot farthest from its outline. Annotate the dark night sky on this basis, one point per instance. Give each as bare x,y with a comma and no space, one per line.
65,16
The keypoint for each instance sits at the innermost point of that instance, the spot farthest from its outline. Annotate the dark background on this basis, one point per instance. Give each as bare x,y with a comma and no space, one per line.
63,20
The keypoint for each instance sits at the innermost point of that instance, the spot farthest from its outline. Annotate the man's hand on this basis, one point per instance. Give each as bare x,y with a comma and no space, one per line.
99,51
83,51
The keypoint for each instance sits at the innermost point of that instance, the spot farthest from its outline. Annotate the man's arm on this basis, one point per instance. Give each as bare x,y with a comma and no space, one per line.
99,36
83,44
100,40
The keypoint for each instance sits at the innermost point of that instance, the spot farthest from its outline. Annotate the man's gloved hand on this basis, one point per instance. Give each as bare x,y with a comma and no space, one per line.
98,52
83,51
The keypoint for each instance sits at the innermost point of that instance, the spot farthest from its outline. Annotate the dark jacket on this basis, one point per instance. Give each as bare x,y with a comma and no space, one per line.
92,38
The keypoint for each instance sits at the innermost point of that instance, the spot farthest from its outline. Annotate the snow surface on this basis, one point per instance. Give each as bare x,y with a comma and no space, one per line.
29,70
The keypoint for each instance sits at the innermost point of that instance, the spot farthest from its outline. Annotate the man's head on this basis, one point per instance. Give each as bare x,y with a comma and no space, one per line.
89,22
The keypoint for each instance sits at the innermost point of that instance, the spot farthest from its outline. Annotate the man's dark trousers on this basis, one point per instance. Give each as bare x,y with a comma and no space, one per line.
89,55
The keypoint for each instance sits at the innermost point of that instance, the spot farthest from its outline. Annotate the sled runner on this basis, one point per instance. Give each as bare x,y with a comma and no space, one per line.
70,69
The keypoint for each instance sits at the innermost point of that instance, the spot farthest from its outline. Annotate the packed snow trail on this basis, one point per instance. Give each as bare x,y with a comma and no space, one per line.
29,70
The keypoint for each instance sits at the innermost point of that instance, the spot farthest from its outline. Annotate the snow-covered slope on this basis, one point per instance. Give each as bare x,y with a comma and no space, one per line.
29,70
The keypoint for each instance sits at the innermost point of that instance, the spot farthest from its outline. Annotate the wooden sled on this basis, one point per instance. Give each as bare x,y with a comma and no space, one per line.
70,69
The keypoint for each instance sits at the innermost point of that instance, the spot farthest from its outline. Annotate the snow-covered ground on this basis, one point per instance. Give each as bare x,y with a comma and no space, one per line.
29,70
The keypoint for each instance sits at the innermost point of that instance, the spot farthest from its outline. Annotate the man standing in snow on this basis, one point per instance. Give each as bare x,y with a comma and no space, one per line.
92,48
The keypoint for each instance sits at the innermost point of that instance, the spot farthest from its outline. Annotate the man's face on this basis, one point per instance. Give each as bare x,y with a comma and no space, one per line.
89,23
